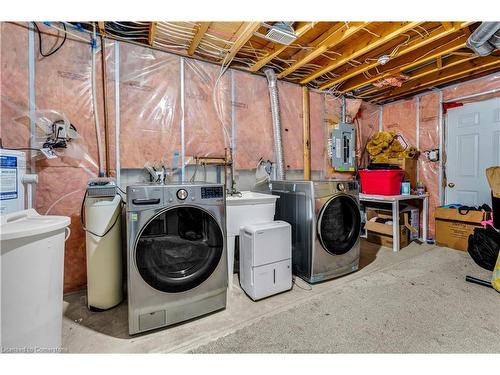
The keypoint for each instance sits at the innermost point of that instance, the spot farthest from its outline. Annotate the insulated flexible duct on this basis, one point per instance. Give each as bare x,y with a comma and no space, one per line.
275,110
480,41
495,39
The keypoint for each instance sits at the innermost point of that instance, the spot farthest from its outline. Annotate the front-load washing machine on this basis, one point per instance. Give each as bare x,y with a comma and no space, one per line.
326,223
176,253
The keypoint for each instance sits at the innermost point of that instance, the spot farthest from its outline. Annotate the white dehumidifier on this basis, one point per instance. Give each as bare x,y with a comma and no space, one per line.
103,242
266,259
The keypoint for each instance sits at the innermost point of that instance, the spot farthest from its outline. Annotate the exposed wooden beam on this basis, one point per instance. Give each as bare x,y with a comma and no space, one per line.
439,62
242,39
364,45
152,33
202,29
307,133
280,48
336,35
102,28
447,25
426,70
432,37
443,76
408,61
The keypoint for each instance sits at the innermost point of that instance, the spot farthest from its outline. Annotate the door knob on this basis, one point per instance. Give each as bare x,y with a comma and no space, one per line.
451,185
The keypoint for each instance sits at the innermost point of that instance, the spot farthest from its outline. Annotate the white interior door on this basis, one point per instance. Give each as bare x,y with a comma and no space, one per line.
472,145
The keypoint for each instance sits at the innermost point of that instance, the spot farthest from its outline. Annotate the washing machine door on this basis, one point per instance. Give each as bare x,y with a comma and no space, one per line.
179,249
339,224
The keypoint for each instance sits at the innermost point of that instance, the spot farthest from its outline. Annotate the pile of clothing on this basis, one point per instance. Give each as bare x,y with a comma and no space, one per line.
388,145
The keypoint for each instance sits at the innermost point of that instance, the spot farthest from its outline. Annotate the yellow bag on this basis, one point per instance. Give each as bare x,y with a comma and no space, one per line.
495,278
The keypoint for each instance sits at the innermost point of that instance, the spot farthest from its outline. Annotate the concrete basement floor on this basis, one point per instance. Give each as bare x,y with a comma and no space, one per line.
414,301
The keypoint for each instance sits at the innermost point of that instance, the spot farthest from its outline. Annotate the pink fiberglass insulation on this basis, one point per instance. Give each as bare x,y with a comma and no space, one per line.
254,131
480,85
149,107
207,123
292,124
63,83
14,85
428,172
367,124
317,132
401,117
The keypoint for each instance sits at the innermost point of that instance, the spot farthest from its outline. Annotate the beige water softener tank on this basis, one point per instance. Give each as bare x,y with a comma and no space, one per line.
104,256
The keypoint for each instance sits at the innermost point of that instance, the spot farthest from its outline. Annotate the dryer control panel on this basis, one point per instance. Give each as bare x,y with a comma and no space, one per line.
210,192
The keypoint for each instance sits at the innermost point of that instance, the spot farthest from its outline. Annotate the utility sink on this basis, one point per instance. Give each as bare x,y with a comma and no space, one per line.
244,209
249,197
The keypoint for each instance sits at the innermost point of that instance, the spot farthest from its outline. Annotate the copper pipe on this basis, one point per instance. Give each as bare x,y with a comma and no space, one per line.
105,103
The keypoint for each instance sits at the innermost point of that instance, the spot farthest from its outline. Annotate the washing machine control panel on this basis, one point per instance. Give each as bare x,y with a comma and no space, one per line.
210,192
182,194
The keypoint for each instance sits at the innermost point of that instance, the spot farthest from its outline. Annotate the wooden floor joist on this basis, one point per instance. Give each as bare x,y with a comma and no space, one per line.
409,63
429,69
443,76
280,48
152,33
242,39
341,57
337,35
202,29
417,45
363,46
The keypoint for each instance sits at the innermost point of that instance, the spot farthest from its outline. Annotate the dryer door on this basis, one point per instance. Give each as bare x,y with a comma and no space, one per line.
339,224
179,249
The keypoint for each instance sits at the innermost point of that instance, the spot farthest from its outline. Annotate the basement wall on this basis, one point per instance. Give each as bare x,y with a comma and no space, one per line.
162,119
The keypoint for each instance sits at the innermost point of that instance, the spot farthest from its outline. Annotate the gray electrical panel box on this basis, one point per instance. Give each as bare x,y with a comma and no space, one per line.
342,146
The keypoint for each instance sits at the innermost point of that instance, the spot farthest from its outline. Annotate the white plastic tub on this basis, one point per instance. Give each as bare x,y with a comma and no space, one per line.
32,265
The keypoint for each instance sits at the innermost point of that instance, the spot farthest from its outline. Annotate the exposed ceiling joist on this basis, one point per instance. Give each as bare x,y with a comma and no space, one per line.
364,46
102,28
242,39
411,60
202,29
336,35
426,70
420,43
152,33
280,48
443,76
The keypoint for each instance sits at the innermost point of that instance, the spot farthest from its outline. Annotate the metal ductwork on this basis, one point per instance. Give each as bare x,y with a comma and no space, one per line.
485,38
275,110
495,39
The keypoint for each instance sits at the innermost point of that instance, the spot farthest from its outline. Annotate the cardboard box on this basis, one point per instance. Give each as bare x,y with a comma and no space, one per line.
381,233
409,166
453,229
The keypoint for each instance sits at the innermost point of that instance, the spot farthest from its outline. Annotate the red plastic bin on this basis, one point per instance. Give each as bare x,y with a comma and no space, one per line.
381,181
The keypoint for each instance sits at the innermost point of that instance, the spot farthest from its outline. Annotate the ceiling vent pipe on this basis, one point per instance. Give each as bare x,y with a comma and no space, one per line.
485,38
275,111
495,39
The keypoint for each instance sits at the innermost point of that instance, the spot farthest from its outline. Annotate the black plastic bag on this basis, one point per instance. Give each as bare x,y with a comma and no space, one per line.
483,247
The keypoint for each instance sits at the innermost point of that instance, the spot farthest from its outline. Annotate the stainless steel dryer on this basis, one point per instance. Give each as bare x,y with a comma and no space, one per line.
176,253
326,222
